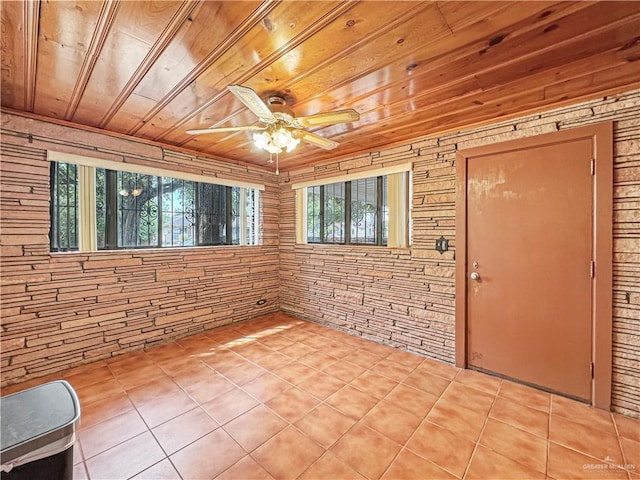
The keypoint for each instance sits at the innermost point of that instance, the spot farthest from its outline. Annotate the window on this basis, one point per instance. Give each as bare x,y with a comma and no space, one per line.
64,207
372,210
138,210
347,212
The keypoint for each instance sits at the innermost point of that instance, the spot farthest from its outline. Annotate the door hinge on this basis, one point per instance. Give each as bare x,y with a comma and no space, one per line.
592,369
593,166
592,269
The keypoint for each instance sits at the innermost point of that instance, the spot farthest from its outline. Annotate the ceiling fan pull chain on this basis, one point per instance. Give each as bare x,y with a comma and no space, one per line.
277,161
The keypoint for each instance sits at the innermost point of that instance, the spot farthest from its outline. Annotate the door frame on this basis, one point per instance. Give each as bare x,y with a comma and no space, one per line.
602,314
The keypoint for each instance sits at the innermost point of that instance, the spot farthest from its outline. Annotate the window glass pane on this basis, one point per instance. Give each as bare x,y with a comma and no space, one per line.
313,214
101,207
385,210
64,207
363,210
235,215
251,215
334,202
178,212
138,215
136,211
211,214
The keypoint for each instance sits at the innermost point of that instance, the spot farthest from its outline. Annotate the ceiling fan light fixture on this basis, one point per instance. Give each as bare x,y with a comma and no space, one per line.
275,140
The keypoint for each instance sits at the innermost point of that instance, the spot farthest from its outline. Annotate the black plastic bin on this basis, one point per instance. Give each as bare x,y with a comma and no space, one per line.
38,430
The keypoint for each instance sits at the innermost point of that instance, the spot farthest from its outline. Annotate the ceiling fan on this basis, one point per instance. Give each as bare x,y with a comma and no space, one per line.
282,130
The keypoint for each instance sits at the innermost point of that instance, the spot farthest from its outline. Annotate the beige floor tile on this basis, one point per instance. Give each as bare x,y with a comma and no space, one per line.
292,404
412,400
366,451
265,387
245,469
183,430
192,373
441,369
489,465
409,466
229,405
394,370
111,432
330,467
152,391
162,470
133,456
80,472
364,358
526,396
427,382
301,453
525,448
344,370
479,381
208,456
102,410
392,421
86,375
318,360
627,427
321,385
586,440
566,464
468,398
165,407
209,388
325,425
515,414
352,402
631,450
373,384
295,372
244,373
273,361
253,428
442,447
140,375
406,358
583,414
462,422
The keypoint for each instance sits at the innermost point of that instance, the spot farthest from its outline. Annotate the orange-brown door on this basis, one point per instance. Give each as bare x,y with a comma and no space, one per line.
529,251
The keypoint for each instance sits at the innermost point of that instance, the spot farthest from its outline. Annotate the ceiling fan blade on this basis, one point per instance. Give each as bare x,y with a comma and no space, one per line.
250,128
316,140
253,102
328,118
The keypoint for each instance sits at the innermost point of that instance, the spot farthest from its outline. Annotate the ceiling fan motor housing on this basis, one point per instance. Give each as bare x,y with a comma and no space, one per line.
278,105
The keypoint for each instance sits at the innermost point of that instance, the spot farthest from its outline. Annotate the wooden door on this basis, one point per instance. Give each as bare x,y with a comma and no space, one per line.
529,241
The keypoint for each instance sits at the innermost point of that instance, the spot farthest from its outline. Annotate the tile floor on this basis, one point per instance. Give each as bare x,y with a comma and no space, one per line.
280,398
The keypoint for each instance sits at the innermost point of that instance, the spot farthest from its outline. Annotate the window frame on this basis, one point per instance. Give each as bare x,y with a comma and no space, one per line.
399,193
348,214
86,224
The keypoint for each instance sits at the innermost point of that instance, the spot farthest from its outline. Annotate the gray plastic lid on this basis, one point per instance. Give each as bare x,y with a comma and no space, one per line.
36,417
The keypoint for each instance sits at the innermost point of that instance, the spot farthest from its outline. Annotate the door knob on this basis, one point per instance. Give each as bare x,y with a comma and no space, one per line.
475,276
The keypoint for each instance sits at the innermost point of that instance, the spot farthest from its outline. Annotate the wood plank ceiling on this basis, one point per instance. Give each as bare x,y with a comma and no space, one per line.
155,69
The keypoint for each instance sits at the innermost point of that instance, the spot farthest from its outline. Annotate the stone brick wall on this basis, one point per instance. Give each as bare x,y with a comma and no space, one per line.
405,298
63,309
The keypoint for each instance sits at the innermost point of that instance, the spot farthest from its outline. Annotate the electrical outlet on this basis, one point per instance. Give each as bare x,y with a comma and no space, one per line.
261,302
